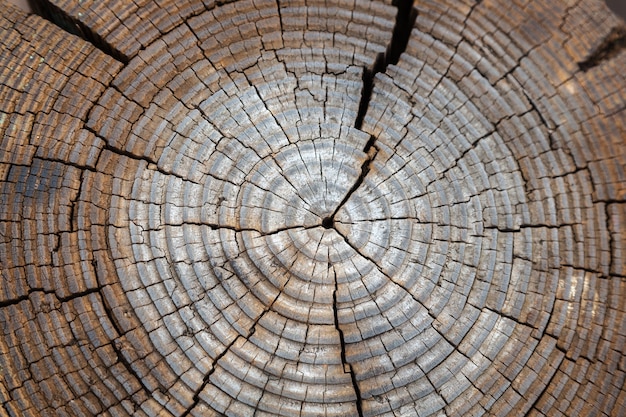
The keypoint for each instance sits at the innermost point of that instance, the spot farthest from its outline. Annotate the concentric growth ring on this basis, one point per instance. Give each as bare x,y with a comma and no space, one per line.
286,208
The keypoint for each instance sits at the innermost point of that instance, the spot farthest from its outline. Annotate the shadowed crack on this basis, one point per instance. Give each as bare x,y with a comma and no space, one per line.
405,18
347,367
613,44
407,14
59,17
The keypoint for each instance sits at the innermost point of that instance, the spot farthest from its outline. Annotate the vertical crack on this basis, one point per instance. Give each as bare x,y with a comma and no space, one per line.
368,87
347,367
607,214
73,214
280,16
405,19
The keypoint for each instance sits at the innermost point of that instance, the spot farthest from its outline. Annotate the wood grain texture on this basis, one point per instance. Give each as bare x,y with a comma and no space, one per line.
312,208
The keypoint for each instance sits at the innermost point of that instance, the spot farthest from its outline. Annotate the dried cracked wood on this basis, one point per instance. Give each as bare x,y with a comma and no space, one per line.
296,208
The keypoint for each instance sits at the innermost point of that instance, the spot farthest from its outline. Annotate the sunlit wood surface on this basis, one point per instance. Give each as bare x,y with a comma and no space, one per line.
312,208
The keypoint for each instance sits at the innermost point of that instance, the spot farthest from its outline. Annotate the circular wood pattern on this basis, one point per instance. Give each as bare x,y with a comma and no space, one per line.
311,208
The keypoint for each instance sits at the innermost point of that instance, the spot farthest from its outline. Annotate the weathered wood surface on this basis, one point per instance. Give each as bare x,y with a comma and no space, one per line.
261,208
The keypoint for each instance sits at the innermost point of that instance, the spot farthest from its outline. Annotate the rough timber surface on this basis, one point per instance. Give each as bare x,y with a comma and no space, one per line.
312,208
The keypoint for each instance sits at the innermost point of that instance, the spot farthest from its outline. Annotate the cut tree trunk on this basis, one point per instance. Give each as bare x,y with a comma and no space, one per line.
312,208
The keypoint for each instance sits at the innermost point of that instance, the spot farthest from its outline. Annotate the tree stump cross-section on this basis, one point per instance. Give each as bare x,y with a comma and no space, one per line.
312,208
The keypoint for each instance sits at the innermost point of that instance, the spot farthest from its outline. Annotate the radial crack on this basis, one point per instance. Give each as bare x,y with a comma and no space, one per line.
368,87
217,226
607,214
345,363
280,16
406,290
555,372
613,44
152,162
56,15
117,345
207,377
371,152
405,18
407,14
